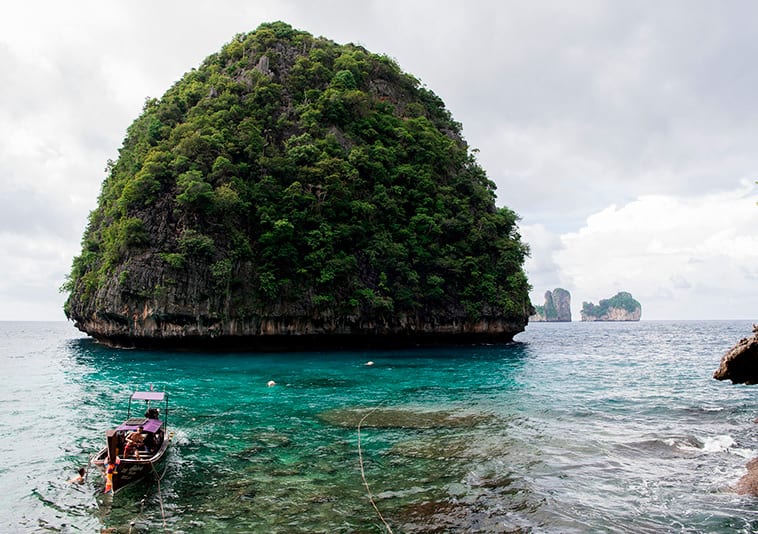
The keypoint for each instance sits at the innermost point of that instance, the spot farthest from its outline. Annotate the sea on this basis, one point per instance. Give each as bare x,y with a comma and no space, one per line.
571,428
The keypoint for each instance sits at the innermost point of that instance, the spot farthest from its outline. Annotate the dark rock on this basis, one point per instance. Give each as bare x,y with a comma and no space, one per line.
740,363
748,484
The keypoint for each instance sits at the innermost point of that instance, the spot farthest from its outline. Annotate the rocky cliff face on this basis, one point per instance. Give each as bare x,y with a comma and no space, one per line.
614,314
557,307
740,363
295,193
620,307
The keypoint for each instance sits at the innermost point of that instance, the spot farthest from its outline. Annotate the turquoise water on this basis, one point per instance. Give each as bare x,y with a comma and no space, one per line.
580,427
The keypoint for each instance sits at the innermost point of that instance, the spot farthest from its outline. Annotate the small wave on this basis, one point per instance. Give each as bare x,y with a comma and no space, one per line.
709,444
744,453
691,445
681,444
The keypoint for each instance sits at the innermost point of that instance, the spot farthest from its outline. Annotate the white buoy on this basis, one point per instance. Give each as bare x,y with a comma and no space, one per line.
369,362
270,383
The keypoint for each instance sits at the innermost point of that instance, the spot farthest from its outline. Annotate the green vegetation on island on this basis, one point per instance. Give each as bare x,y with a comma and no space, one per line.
608,309
293,180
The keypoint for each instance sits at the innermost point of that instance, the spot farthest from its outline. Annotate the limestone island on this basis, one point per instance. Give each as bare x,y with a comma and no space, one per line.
294,193
557,307
620,307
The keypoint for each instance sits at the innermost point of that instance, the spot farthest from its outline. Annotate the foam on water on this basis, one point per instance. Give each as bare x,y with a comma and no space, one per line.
717,443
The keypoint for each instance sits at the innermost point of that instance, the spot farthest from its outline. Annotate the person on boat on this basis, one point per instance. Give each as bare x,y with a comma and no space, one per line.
134,441
109,471
149,442
79,478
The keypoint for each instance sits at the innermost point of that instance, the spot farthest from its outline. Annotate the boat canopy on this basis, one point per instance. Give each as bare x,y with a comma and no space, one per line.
148,425
149,395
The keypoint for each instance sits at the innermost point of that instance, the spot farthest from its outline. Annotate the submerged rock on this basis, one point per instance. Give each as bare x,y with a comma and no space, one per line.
481,445
401,418
740,363
437,448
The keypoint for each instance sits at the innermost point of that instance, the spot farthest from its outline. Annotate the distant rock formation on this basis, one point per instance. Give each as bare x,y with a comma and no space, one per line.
740,363
557,307
620,307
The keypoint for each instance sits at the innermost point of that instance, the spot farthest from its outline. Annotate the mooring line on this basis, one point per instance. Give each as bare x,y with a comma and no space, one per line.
363,472
160,495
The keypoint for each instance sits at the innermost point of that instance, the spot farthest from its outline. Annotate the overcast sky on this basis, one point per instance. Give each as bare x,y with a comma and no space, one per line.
625,134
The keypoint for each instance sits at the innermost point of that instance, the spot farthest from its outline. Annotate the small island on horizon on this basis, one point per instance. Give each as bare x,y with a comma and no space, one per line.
557,308
620,307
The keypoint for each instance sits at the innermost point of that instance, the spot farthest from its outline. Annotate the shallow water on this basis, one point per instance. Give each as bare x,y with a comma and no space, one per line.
579,427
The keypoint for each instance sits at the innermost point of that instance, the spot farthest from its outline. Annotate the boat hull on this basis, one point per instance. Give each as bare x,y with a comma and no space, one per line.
128,470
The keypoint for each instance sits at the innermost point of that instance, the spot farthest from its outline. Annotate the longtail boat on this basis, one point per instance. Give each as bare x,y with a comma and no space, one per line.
136,447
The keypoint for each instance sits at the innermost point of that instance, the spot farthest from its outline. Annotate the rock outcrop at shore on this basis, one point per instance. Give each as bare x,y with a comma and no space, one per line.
748,484
557,307
620,307
292,192
740,363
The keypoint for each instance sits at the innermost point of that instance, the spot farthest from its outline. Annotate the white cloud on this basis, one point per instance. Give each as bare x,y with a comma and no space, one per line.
574,108
681,257
543,272
33,268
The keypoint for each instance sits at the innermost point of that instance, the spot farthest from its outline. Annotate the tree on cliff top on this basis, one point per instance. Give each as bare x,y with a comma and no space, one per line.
292,176
621,300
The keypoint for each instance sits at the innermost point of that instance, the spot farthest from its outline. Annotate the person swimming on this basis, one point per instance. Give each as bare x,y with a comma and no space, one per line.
79,478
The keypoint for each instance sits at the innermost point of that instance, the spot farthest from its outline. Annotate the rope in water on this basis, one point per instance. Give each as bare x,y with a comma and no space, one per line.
160,494
363,473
